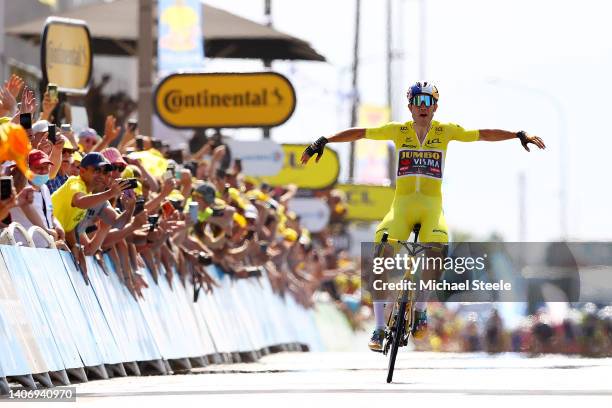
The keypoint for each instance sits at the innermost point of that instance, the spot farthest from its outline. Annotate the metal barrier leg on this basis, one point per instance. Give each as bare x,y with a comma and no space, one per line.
247,357
152,367
26,381
198,362
77,374
60,377
235,358
116,370
216,358
180,365
4,387
97,372
131,368
44,379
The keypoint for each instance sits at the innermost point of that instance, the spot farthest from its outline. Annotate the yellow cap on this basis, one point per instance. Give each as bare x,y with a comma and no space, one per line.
239,219
76,156
290,234
68,145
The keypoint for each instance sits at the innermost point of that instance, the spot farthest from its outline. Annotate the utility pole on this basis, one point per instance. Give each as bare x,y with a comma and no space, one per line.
267,63
146,25
354,89
422,39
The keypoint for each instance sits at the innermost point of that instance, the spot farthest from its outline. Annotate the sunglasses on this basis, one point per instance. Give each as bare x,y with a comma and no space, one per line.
419,100
103,169
118,167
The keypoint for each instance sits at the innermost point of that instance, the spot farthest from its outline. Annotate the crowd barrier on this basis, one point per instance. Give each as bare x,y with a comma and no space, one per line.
55,328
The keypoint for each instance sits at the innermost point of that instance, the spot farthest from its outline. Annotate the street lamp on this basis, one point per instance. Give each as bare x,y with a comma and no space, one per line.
563,157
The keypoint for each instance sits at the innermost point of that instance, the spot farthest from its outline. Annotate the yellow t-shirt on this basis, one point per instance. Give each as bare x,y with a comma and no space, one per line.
63,210
420,168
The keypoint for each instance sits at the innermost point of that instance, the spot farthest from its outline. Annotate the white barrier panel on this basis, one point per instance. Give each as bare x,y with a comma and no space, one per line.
34,310
18,347
229,313
123,315
62,308
52,319
186,292
101,332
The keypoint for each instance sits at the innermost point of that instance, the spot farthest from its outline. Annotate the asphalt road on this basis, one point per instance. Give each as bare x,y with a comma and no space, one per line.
358,379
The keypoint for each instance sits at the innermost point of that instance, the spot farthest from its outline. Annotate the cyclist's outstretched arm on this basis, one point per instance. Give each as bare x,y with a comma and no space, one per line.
348,135
497,135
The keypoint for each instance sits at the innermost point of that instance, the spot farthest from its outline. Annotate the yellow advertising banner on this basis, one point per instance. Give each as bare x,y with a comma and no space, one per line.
313,176
224,100
66,57
367,202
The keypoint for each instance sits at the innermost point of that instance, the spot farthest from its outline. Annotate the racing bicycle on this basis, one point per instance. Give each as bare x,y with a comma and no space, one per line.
400,324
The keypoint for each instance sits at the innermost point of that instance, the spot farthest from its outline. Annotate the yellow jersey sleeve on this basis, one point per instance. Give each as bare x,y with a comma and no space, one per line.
385,132
456,132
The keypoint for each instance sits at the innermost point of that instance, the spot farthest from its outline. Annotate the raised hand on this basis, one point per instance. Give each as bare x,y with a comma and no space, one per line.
14,85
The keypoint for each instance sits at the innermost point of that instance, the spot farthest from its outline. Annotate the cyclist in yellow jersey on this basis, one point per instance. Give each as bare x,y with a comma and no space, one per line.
420,147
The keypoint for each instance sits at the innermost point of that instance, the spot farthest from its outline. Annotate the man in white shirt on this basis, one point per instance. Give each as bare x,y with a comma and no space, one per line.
40,212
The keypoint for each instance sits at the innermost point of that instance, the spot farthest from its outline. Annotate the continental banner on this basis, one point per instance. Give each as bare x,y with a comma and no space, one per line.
224,100
66,57
367,202
314,176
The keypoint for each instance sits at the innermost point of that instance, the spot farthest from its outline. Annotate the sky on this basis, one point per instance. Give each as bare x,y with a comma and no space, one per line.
538,65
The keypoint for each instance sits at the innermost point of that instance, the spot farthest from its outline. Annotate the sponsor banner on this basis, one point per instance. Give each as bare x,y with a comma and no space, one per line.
66,57
313,212
259,158
428,163
179,44
314,176
224,100
366,202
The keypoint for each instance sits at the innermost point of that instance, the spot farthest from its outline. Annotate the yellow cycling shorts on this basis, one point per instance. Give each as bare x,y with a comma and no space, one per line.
408,210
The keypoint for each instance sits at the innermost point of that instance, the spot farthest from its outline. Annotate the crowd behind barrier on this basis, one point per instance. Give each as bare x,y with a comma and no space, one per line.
146,252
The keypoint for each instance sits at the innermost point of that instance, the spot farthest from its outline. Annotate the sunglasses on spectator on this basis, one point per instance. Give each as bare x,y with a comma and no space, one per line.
118,167
103,169
419,100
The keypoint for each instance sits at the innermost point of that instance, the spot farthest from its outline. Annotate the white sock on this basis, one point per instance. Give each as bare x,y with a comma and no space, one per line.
379,315
420,306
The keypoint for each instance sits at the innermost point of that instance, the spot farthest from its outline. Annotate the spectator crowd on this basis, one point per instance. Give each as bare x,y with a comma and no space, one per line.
131,197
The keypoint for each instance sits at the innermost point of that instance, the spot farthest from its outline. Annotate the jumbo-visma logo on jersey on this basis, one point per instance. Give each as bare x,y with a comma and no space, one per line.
428,163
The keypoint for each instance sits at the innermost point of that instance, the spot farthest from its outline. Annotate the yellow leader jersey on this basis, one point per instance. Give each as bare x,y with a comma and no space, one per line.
420,167
68,216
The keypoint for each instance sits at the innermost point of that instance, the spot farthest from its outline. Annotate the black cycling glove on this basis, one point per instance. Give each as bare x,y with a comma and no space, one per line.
522,135
317,147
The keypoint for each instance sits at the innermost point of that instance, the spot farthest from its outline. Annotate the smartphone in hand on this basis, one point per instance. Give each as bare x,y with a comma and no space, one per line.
6,187
53,92
25,120
52,134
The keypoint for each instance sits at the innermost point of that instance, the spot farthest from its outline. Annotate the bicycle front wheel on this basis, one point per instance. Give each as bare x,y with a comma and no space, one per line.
397,336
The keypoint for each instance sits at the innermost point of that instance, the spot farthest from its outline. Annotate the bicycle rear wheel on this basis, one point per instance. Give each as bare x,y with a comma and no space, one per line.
397,336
